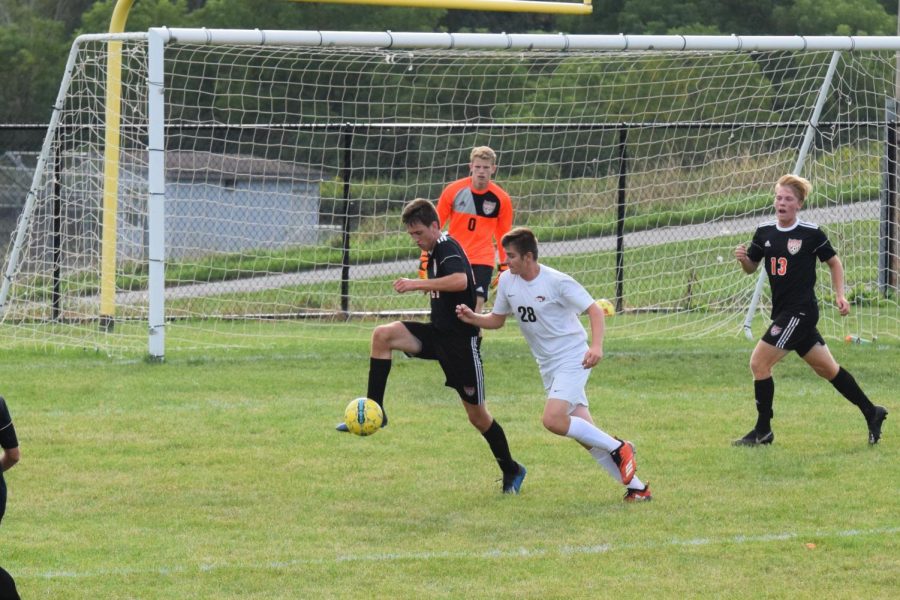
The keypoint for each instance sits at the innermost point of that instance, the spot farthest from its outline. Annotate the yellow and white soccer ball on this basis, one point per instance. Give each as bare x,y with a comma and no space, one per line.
363,416
606,306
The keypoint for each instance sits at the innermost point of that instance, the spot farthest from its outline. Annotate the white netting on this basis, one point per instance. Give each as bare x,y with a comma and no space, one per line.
287,167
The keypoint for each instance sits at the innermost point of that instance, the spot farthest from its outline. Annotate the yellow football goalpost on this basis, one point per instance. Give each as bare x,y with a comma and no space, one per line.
113,115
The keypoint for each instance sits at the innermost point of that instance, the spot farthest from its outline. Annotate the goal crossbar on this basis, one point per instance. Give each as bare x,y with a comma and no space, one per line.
514,41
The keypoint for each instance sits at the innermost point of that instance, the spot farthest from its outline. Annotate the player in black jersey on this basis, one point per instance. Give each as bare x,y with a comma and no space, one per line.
9,450
445,338
789,249
9,456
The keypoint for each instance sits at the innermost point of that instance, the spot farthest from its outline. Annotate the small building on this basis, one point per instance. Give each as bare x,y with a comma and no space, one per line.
232,203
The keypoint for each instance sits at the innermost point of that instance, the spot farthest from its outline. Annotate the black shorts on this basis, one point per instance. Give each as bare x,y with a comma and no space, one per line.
482,275
458,356
794,331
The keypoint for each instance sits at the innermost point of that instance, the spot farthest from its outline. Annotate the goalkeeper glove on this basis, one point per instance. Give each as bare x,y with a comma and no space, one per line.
423,266
500,269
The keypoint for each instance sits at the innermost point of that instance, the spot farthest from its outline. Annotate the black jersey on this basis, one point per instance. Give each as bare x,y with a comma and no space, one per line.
789,257
447,257
7,431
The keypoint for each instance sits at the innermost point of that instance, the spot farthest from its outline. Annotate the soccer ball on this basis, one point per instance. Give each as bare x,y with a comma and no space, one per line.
606,306
363,416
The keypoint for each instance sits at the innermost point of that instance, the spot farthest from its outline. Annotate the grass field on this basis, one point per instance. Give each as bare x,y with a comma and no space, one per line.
220,476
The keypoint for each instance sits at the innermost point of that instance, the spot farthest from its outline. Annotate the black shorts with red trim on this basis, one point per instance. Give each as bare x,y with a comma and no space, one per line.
458,355
794,331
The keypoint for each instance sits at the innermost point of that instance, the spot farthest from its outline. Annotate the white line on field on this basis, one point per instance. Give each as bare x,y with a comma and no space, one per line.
521,552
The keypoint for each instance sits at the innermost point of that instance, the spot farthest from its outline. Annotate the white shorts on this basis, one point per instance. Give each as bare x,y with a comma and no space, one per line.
567,383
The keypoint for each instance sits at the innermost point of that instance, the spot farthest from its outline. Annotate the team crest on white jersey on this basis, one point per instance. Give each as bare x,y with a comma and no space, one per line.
540,298
489,207
793,246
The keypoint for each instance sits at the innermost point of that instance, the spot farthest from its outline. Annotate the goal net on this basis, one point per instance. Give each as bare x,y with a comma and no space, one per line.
279,162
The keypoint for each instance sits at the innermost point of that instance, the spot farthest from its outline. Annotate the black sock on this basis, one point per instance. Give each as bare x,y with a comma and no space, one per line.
496,439
379,369
844,383
764,390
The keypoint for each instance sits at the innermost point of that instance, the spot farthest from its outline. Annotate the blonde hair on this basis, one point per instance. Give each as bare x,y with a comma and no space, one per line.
483,152
799,185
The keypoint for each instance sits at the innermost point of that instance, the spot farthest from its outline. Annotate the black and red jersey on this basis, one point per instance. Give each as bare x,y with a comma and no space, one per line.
789,256
447,257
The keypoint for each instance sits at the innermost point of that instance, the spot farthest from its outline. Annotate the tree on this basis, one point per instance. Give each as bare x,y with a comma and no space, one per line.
33,51
838,17
143,15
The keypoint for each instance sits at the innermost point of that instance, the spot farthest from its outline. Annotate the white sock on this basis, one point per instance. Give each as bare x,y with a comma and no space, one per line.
590,435
605,460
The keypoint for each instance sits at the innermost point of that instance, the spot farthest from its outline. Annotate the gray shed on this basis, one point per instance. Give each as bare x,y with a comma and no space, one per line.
233,203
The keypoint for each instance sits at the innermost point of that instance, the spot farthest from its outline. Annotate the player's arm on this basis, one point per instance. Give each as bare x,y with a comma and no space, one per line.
9,443
488,321
594,353
837,284
747,264
454,282
444,206
503,225
9,458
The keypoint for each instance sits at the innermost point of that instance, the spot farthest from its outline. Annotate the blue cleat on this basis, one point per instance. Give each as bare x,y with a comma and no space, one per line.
513,481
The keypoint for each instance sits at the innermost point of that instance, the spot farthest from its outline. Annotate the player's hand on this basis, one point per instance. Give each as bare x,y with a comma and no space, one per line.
404,285
464,313
592,357
500,269
843,306
740,252
423,265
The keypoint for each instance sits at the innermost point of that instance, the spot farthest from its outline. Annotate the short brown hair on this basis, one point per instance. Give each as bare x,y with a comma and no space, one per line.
421,211
799,185
522,239
483,152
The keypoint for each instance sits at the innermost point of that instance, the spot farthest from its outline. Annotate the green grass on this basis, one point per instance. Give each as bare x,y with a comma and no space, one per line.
219,476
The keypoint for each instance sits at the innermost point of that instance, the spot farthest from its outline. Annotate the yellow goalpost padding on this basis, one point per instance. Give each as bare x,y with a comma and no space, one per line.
535,6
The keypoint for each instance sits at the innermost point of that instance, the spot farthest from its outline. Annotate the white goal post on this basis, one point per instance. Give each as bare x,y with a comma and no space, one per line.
260,175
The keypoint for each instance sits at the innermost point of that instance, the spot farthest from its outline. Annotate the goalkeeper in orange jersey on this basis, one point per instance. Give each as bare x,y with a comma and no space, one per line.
477,213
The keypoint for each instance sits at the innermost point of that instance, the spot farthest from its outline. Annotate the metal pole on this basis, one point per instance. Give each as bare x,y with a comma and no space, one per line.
56,242
887,277
620,220
346,170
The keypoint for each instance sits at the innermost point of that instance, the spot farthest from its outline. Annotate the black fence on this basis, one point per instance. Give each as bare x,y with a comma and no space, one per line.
21,143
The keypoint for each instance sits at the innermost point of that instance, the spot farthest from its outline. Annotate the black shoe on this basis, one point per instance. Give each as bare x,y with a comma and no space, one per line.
875,422
755,439
512,482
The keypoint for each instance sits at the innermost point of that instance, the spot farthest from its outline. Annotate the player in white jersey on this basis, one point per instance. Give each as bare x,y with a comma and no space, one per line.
547,304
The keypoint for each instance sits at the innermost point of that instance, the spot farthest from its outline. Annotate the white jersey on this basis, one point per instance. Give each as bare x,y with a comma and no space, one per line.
547,309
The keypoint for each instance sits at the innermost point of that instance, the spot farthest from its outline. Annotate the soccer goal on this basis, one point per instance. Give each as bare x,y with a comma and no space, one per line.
257,177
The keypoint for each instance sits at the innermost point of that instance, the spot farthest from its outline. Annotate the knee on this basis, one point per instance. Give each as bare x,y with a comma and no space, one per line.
481,420
558,424
382,336
827,371
760,369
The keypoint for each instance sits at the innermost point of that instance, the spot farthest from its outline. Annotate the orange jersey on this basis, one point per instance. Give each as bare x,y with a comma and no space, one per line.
476,219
